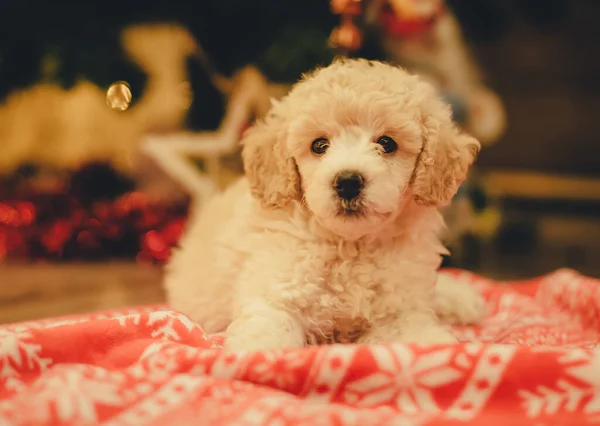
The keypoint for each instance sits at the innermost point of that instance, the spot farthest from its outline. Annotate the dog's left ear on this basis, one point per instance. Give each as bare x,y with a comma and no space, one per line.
269,168
445,158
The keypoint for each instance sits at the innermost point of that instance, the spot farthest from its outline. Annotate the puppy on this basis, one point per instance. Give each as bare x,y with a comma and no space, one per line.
332,234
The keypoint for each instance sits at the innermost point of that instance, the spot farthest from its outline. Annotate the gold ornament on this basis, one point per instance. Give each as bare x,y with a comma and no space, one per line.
346,7
118,96
347,36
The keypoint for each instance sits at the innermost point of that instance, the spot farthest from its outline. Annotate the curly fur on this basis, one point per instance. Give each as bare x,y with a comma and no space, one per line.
443,163
273,263
269,169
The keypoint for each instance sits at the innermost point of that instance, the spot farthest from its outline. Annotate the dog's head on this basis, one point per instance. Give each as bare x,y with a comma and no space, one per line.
354,141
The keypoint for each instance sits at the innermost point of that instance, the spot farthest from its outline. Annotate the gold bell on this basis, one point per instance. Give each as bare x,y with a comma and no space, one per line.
118,96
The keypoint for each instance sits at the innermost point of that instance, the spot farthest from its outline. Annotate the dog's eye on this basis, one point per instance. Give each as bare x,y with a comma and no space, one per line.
319,146
388,144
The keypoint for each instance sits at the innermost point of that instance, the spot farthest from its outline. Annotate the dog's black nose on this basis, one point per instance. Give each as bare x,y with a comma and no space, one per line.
348,184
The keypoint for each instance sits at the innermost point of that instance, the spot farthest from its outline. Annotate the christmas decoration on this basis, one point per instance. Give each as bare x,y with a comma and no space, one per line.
346,7
249,96
74,41
66,223
48,126
347,37
425,37
118,96
404,18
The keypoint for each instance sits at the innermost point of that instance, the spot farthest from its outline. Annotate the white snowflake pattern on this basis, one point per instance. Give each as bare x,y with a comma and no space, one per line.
167,330
550,401
157,362
179,390
160,367
583,365
321,413
155,348
218,401
164,321
404,379
587,372
284,410
18,353
120,316
133,319
73,393
278,367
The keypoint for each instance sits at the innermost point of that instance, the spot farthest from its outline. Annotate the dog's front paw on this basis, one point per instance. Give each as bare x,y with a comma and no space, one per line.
262,333
457,302
235,344
430,336
427,335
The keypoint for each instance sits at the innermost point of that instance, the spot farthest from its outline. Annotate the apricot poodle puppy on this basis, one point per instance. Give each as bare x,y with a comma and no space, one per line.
332,235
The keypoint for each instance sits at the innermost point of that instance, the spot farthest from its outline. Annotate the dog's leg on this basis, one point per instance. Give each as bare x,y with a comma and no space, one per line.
260,326
458,302
418,327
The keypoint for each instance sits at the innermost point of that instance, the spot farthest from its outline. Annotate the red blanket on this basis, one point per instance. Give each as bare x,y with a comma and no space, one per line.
532,361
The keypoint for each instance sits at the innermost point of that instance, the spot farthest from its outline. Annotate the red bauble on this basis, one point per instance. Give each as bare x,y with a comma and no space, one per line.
395,26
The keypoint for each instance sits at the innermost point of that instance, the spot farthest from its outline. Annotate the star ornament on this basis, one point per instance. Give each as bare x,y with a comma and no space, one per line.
249,95
173,153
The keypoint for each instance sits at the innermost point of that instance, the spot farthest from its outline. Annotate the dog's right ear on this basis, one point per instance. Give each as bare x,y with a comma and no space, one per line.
271,171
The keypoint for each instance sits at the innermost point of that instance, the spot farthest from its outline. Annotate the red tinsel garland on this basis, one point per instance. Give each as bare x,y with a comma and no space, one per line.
59,226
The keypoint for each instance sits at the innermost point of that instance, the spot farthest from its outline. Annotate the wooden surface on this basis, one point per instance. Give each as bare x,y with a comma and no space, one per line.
49,290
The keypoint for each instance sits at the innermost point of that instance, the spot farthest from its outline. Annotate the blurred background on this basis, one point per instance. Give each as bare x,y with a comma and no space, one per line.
109,111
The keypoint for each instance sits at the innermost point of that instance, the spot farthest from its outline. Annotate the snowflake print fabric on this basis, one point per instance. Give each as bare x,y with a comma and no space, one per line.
533,360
